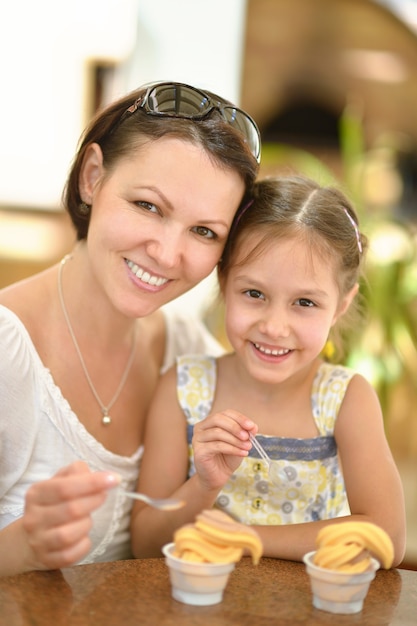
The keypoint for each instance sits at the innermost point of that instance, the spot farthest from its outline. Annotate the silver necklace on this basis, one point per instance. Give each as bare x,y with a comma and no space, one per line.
106,418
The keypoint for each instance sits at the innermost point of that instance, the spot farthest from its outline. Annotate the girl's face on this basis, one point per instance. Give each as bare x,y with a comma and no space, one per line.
159,221
280,306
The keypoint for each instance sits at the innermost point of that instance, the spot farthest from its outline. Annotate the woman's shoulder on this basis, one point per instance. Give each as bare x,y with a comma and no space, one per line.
187,334
18,355
28,298
11,326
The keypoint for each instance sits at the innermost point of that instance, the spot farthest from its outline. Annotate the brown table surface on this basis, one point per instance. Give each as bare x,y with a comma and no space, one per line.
138,592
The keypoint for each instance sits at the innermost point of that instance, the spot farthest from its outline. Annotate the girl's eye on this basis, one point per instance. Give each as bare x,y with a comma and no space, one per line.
205,232
305,302
254,293
148,206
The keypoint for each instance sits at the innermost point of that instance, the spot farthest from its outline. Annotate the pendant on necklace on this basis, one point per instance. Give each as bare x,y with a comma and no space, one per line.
106,419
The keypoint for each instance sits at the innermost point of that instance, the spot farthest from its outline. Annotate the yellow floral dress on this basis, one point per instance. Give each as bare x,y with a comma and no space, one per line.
311,486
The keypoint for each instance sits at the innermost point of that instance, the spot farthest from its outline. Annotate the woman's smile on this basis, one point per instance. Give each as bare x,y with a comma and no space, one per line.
144,276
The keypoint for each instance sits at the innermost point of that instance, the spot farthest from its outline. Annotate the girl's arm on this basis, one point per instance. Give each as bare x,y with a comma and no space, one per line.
372,480
373,483
53,531
164,467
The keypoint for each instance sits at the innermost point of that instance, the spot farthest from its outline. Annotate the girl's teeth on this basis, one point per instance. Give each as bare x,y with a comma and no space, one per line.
268,351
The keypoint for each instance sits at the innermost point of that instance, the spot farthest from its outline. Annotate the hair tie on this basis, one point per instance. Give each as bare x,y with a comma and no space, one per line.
355,226
239,215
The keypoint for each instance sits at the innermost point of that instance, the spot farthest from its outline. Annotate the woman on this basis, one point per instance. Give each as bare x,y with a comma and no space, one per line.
152,192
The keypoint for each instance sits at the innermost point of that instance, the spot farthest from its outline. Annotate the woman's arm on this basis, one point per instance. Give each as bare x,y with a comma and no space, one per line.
164,466
53,531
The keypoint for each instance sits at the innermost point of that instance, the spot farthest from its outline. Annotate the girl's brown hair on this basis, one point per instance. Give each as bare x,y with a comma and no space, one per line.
324,217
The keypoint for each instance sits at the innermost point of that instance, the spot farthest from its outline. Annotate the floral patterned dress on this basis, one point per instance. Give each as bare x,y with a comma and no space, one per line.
311,486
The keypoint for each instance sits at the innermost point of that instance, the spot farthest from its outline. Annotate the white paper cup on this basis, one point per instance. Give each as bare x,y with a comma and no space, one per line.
196,583
338,592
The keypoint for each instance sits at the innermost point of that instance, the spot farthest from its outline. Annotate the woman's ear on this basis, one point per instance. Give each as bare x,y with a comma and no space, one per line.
91,172
346,302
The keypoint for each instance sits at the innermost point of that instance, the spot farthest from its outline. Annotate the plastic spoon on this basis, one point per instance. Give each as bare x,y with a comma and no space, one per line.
164,504
277,475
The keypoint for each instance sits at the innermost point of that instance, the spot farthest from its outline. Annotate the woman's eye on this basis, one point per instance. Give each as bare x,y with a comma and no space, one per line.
148,206
305,302
205,232
254,293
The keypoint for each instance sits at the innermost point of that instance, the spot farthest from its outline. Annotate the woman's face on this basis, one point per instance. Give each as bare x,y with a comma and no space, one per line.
159,221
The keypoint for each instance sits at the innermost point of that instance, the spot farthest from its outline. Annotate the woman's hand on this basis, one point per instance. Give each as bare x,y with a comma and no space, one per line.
220,442
57,517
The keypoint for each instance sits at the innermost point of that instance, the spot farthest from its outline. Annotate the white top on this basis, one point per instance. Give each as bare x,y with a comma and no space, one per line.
39,433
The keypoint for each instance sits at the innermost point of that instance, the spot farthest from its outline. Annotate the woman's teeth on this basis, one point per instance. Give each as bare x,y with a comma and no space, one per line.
145,276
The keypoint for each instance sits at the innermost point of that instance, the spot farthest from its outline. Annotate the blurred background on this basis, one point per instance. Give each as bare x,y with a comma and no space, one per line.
332,85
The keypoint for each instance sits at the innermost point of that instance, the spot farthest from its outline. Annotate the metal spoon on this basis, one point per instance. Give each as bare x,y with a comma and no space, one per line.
164,504
277,475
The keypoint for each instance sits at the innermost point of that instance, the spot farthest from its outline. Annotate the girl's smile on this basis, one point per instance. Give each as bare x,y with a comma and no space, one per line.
280,307
274,352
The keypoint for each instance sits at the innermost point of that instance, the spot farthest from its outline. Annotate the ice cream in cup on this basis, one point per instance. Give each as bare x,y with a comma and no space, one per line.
203,555
196,583
338,592
345,563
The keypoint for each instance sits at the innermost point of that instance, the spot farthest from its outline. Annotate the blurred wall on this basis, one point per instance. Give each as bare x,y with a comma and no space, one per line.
47,49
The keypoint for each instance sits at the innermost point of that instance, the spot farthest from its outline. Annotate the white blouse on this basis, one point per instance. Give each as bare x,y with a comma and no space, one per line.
39,433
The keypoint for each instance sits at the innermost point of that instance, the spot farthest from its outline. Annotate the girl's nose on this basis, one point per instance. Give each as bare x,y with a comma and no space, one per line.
274,323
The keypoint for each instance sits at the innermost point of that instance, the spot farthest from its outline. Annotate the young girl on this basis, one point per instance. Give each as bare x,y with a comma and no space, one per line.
289,276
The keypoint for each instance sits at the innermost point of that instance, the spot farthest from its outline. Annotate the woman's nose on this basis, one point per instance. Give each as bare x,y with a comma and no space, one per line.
167,249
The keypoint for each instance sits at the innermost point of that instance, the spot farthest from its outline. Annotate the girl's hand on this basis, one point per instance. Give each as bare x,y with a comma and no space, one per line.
220,442
57,517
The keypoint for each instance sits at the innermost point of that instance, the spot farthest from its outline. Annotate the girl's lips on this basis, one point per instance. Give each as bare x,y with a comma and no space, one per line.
144,276
271,351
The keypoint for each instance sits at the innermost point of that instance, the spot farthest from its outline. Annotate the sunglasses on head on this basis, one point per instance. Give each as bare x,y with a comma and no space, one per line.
185,101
